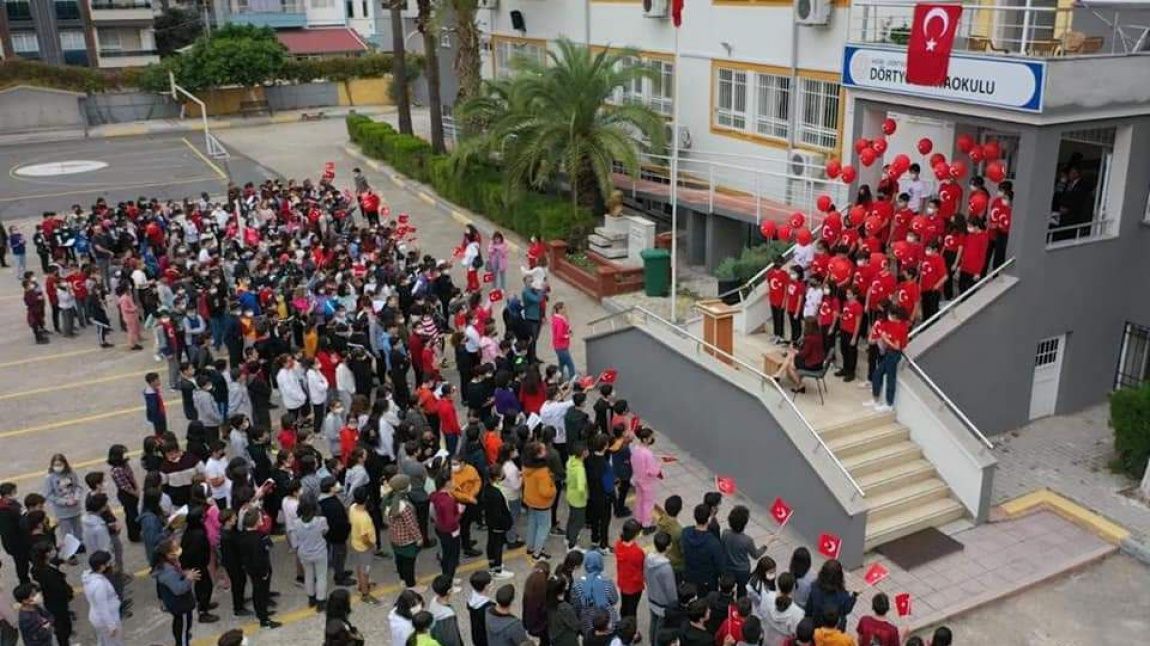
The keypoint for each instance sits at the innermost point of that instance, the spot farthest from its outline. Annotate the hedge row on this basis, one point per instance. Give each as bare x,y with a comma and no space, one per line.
1130,418
15,71
479,188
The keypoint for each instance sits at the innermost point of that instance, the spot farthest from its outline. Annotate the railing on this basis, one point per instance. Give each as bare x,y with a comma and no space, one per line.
264,6
1042,32
765,382
961,298
1074,233
950,405
97,5
123,53
18,10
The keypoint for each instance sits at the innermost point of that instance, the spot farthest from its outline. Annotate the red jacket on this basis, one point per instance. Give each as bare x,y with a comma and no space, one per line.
629,567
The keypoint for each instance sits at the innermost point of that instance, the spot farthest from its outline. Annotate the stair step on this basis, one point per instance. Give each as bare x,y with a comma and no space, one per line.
610,253
895,501
909,521
901,475
882,458
614,235
860,423
864,440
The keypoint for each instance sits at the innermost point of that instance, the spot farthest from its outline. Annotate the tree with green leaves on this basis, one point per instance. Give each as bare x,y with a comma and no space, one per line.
426,25
401,91
467,52
553,122
177,28
232,55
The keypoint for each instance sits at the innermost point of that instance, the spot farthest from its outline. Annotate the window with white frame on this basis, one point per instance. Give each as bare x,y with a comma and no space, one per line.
772,105
71,41
1081,205
731,107
506,51
25,42
110,39
818,124
322,4
655,91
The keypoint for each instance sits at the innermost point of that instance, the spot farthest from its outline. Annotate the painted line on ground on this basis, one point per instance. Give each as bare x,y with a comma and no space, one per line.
104,189
70,386
1046,499
72,422
75,465
204,158
426,198
48,357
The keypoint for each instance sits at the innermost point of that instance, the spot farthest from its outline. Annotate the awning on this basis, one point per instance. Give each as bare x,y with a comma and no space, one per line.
325,41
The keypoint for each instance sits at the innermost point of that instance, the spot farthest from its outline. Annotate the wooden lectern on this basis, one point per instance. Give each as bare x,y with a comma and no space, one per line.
718,328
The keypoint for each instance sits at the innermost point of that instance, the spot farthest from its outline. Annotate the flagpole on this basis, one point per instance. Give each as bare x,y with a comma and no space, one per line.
675,97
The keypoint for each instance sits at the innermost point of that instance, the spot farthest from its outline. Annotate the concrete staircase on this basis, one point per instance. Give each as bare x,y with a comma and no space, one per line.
611,243
902,489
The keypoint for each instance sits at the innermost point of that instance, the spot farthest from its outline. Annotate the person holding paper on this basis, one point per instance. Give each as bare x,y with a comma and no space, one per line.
65,495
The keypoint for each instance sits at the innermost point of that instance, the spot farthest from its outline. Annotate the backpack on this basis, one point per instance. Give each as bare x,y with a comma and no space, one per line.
477,262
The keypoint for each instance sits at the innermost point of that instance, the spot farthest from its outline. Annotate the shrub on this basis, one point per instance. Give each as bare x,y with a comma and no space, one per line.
1130,418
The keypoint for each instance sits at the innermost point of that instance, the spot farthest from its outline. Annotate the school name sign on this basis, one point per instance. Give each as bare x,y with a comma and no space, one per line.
978,80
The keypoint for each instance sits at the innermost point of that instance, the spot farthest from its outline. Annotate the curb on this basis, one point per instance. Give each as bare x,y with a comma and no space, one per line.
165,126
1105,528
1136,549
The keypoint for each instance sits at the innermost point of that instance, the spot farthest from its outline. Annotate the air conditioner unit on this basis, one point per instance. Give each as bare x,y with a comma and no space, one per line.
812,12
803,167
684,137
488,4
654,8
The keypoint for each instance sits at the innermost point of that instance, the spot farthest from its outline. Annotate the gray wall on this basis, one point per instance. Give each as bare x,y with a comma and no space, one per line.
725,428
304,95
122,107
1087,292
25,109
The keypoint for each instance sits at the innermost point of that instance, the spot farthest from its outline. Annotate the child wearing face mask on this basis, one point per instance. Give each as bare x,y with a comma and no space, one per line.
793,302
1000,215
34,620
645,474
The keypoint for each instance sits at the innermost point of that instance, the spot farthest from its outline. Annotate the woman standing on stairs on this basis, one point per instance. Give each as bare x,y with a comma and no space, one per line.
891,337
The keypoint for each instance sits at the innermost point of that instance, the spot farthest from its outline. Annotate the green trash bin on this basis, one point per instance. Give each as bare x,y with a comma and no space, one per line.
656,271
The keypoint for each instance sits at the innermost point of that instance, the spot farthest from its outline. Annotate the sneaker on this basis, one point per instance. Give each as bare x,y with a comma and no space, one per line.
270,624
367,598
502,575
544,555
471,553
514,545
840,373
864,383
344,582
299,581
848,378
870,403
242,612
883,408
321,607
208,618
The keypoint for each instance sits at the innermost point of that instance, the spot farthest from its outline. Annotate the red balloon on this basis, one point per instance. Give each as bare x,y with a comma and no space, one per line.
925,145
797,220
824,203
976,154
889,126
834,220
784,233
901,249
849,175
857,214
862,144
879,145
941,171
996,171
840,269
977,203
867,156
991,150
833,168
767,229
957,169
877,258
873,224
936,159
900,163
964,142
803,235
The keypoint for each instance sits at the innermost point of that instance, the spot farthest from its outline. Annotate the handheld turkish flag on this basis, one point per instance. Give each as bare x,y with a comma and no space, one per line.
781,511
404,218
875,573
668,459
587,383
931,39
902,603
457,252
725,485
495,296
488,277
635,423
608,376
677,12
829,545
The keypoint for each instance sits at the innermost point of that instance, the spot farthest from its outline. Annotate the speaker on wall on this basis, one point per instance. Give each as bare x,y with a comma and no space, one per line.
517,21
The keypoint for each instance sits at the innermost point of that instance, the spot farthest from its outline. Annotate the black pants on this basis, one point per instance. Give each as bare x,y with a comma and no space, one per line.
337,558
599,515
629,606
930,301
849,353
45,261
131,505
534,327
872,359
951,279
62,626
204,588
998,250
470,514
796,327
55,316
406,567
495,542
448,553
317,413
422,517
181,628
623,488
777,321
558,496
261,594
239,584
965,281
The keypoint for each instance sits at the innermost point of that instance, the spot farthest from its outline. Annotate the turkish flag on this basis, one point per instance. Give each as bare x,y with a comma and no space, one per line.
488,277
677,12
902,603
931,39
608,376
725,485
829,545
635,423
875,573
495,296
457,252
781,511
404,218
587,383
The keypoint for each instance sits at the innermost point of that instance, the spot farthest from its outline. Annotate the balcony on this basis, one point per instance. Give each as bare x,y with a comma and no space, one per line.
277,14
122,11
67,10
128,57
18,11
1048,60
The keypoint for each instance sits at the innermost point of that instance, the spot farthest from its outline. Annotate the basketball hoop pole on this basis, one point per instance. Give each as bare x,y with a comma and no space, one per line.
176,92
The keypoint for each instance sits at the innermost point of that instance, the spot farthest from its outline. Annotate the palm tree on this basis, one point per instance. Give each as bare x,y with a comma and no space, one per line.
467,57
431,62
557,120
399,67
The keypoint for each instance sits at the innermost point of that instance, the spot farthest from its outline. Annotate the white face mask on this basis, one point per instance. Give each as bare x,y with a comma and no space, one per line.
58,468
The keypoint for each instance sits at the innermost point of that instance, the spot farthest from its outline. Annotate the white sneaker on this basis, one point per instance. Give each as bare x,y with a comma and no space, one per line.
882,408
502,575
455,589
865,383
870,403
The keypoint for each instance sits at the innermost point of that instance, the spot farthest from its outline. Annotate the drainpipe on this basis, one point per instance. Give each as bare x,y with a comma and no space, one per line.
793,98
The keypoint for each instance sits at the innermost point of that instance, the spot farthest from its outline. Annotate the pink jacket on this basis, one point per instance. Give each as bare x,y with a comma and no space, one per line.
645,467
560,332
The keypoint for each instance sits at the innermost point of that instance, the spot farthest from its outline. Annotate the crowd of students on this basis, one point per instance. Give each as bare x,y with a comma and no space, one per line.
889,261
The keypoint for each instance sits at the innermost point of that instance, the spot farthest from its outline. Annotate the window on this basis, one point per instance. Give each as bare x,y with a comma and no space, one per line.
772,105
731,109
71,41
1134,358
25,42
322,4
818,113
109,40
662,87
1080,209
507,51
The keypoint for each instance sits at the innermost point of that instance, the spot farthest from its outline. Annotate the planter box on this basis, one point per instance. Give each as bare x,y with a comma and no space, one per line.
607,279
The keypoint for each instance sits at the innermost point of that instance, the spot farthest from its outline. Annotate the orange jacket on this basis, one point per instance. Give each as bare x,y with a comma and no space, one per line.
538,487
492,443
465,485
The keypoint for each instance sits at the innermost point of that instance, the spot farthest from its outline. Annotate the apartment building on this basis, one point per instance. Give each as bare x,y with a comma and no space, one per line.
124,33
91,33
342,27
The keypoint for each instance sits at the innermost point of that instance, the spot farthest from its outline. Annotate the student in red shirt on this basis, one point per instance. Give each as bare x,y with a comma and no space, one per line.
876,630
972,260
902,217
907,294
932,278
448,418
952,244
890,338
793,303
828,316
777,280
629,557
949,196
850,322
1000,214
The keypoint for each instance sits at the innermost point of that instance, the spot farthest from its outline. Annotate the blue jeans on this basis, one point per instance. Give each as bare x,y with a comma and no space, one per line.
566,363
887,368
217,325
516,509
452,442
538,524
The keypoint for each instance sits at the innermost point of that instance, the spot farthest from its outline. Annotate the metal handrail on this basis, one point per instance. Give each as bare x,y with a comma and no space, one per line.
970,426
961,298
647,314
750,285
